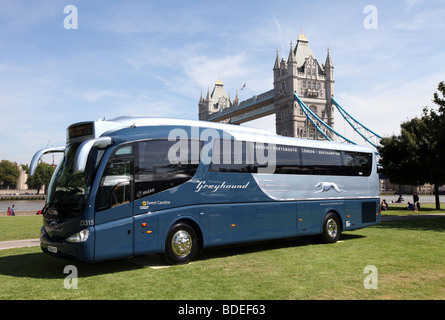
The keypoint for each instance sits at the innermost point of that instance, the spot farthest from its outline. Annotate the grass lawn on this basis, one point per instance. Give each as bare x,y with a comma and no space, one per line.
20,227
409,257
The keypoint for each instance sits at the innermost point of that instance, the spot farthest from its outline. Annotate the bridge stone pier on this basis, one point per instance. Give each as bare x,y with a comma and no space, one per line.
300,73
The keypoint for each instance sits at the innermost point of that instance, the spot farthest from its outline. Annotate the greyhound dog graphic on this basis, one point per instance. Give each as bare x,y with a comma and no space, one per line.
326,186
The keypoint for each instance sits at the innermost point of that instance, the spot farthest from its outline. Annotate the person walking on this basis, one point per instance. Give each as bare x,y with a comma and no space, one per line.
13,210
416,202
9,211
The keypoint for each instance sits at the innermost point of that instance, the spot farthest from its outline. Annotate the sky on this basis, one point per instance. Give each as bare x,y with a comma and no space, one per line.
153,58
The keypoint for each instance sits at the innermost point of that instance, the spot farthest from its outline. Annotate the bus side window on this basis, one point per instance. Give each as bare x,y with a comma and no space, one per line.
116,184
155,172
357,163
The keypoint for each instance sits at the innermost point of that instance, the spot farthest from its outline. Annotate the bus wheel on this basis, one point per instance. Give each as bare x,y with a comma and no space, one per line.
181,244
331,228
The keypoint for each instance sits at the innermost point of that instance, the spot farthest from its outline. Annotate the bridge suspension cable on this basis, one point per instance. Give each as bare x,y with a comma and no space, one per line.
370,136
330,133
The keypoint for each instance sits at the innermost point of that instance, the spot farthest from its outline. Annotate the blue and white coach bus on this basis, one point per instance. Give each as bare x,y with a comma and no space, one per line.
138,186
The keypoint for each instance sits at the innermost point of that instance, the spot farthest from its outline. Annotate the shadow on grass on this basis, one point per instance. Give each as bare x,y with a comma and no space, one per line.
42,266
39,265
414,223
247,248
155,261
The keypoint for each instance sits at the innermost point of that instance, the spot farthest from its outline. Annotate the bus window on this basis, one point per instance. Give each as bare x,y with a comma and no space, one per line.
155,172
357,163
233,156
240,156
321,161
288,160
115,186
125,150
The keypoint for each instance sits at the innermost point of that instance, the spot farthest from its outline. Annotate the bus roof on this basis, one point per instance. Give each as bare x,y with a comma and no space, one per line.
125,122
102,129
239,132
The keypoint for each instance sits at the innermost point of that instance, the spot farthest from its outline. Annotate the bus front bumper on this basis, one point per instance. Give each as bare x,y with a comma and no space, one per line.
82,251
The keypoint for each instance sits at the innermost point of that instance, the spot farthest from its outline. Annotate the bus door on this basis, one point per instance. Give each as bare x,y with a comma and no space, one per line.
114,207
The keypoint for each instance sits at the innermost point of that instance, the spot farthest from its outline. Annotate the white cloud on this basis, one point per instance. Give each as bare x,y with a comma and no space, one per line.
382,108
203,69
95,95
410,4
423,20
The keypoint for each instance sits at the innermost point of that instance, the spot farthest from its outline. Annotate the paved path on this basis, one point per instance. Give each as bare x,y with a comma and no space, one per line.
36,242
19,243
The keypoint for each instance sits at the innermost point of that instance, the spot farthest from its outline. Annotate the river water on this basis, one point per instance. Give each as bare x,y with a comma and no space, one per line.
21,205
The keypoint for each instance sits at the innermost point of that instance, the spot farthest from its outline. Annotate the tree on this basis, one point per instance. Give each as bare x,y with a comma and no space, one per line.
436,122
417,155
41,177
9,174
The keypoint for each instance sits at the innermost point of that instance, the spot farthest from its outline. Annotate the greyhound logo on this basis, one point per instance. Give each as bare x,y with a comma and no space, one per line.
326,186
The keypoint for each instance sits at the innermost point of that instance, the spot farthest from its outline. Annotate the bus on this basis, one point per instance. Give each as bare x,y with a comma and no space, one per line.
139,186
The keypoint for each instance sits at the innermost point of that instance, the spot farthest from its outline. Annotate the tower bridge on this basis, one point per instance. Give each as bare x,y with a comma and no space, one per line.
302,99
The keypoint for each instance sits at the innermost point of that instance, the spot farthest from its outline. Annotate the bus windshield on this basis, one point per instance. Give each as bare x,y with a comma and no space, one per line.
68,192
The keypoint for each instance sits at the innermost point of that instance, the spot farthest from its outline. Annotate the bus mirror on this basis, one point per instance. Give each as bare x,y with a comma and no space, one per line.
81,157
39,154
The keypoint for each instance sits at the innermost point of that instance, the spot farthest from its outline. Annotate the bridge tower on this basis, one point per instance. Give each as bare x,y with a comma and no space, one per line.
300,73
216,101
314,84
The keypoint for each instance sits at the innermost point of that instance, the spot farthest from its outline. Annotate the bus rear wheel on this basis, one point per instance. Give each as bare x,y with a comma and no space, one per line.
181,244
331,228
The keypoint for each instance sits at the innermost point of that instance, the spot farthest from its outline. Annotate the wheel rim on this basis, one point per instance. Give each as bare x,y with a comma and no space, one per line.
181,243
332,228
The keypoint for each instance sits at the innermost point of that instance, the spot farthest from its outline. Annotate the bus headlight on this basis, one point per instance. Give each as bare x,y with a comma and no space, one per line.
81,236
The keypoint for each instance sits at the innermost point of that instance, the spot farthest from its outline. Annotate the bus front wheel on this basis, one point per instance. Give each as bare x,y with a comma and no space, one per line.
331,228
181,244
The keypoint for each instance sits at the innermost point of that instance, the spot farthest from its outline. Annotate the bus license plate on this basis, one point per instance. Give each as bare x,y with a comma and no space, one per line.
52,249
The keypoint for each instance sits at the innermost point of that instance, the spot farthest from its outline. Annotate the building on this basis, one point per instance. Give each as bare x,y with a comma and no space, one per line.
21,181
21,187
300,73
216,101
314,84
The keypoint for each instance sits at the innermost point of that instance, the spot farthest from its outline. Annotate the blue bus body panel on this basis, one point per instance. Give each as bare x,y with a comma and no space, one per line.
311,214
114,232
211,188
146,234
248,222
